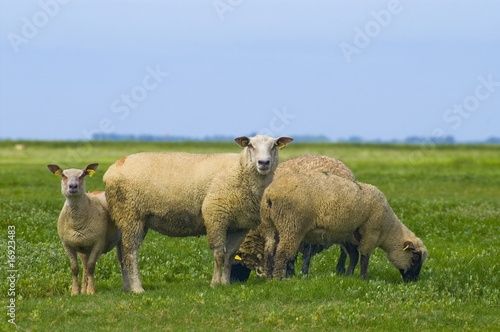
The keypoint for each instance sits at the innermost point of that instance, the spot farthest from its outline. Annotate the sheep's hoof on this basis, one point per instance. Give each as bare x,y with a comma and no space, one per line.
136,290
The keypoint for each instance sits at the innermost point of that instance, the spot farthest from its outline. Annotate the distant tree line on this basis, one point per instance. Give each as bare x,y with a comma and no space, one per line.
419,140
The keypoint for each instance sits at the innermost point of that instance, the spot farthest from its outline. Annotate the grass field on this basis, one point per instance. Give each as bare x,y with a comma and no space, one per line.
448,195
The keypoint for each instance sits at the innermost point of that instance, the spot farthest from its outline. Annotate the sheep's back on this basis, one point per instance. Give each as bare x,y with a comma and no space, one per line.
331,203
165,189
314,164
157,172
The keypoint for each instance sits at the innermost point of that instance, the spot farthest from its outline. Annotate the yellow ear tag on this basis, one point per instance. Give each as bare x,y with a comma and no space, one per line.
90,172
237,257
58,172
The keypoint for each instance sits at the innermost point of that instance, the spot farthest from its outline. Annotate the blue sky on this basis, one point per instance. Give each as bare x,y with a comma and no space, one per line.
375,69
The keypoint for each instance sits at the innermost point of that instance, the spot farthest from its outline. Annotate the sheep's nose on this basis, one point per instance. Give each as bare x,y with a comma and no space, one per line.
264,162
73,186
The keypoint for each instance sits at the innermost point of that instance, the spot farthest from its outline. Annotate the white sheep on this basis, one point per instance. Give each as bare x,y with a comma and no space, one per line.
323,208
182,194
84,225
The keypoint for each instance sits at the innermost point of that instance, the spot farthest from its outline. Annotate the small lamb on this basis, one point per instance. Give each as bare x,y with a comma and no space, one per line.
84,225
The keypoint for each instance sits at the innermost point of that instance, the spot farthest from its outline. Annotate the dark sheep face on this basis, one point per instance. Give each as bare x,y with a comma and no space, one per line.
411,274
239,273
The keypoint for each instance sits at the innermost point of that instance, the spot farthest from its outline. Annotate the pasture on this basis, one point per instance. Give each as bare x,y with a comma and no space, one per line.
448,195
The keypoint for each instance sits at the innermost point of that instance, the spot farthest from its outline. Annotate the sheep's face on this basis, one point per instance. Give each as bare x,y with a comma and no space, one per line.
262,151
410,259
73,180
254,261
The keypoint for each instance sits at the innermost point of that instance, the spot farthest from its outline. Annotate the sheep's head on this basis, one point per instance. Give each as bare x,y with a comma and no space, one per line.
73,180
410,258
262,151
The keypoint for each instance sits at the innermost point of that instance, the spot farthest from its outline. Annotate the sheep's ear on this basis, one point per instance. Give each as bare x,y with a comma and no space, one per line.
242,141
56,170
283,141
408,245
90,169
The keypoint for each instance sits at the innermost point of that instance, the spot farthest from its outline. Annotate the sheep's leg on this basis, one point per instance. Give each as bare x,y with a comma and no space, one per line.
233,242
306,258
269,252
119,256
218,264
224,247
132,237
365,258
269,260
290,267
341,262
353,252
90,269
71,252
366,245
84,258
216,242
286,250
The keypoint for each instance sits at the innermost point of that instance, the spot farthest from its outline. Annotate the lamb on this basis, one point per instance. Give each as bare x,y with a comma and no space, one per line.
182,194
251,251
84,225
323,208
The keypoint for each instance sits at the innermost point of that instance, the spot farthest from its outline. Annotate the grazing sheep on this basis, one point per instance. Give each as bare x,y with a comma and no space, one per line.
251,250
182,194
84,225
323,208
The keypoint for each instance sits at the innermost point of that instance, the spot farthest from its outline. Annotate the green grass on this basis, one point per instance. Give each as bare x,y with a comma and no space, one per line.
448,195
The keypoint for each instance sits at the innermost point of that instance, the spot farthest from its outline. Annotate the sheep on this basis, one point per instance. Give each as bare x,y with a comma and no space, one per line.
182,194
251,251
84,225
323,208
